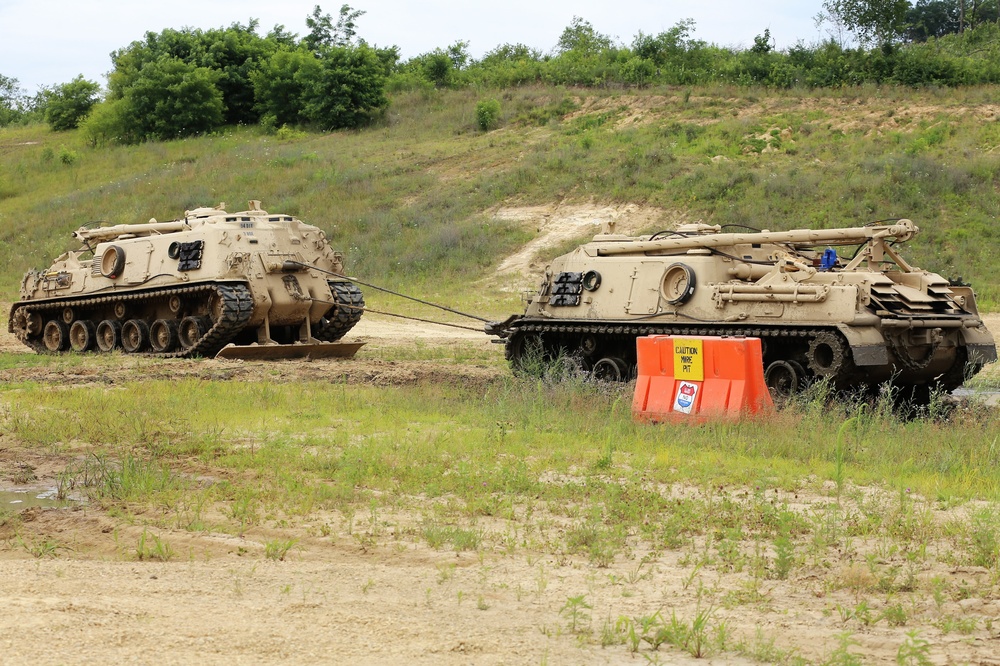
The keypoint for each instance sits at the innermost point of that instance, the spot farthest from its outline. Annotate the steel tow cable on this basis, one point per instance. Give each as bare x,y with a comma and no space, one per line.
388,291
393,314
394,293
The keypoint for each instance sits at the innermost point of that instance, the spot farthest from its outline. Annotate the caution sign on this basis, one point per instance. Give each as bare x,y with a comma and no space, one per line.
689,359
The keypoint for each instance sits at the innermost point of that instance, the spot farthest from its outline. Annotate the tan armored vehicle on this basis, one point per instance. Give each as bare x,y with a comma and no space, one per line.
244,285
860,317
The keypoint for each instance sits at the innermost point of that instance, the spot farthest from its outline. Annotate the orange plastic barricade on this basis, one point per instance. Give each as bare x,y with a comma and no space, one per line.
699,378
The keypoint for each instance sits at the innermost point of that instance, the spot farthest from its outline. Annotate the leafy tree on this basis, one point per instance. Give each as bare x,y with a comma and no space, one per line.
458,53
666,46
174,99
168,99
233,52
67,104
109,122
283,83
581,37
510,53
344,32
349,89
11,100
437,68
323,33
931,18
763,43
873,22
320,30
282,38
937,18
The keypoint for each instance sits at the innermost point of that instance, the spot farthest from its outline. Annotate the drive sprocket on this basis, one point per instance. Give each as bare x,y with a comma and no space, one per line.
827,354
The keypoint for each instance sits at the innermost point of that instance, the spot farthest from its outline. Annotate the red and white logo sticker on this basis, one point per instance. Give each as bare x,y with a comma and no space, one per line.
684,400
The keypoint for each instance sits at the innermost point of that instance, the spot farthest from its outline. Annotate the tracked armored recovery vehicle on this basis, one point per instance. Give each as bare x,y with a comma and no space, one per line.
240,285
858,316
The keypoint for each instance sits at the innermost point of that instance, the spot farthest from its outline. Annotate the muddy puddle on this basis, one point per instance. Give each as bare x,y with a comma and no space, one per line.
44,498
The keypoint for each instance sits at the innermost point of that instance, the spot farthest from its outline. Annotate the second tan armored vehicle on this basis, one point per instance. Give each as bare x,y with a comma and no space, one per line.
859,317
250,285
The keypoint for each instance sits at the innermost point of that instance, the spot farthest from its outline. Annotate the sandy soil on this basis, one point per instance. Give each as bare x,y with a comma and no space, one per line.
348,593
555,224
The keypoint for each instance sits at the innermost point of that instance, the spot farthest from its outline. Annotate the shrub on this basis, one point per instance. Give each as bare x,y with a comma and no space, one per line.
282,83
68,157
488,114
348,89
167,99
68,104
108,123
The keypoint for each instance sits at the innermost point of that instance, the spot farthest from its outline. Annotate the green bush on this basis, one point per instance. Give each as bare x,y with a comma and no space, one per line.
68,104
168,99
68,157
108,123
282,84
173,99
488,114
348,89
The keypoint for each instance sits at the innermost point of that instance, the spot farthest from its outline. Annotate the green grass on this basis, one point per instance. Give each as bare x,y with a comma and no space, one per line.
321,443
409,200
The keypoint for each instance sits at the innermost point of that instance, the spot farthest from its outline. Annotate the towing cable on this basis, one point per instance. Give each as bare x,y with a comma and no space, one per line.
289,263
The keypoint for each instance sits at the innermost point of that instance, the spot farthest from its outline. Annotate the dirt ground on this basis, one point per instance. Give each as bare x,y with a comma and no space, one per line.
338,599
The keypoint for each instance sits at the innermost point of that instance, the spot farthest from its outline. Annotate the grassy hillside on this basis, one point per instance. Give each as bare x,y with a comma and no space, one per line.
410,200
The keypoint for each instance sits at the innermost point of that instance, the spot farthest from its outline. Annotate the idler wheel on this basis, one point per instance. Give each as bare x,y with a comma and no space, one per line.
55,335
163,335
782,379
82,335
610,369
135,336
827,354
191,330
109,335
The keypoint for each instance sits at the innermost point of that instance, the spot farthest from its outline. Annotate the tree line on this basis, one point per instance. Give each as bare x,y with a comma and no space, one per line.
185,82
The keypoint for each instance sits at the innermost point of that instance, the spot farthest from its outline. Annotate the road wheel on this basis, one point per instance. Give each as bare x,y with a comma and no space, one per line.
55,335
163,335
610,369
782,379
82,335
135,336
109,335
191,330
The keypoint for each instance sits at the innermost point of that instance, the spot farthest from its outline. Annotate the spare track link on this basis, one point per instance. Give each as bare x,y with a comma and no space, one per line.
236,308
